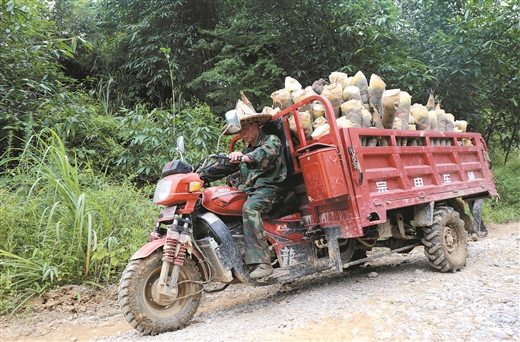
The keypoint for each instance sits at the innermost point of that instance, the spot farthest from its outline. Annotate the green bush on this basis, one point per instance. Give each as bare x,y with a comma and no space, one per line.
63,224
507,179
149,138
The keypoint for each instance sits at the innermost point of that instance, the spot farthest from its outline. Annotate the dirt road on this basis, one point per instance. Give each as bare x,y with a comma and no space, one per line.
398,297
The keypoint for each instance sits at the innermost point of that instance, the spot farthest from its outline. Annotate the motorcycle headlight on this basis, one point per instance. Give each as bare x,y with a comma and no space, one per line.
162,190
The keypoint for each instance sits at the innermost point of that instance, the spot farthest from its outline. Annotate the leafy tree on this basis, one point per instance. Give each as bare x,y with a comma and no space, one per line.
30,77
472,48
263,42
140,30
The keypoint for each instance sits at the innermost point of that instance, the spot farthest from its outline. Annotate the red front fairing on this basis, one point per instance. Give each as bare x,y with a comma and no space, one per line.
224,200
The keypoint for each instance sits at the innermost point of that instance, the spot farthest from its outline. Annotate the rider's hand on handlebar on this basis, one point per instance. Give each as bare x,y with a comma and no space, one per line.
237,157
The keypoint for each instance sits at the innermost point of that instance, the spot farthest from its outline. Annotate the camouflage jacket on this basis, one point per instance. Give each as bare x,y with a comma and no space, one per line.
267,170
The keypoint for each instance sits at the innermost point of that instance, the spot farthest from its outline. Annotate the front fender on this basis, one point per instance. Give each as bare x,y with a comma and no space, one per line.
148,249
152,246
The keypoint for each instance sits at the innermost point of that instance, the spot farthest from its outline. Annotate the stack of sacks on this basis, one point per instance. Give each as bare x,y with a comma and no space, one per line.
360,104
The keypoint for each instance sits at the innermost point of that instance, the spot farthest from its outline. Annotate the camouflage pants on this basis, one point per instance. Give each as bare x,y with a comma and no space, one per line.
258,203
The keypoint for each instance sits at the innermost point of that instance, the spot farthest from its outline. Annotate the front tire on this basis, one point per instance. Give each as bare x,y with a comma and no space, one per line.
445,242
149,312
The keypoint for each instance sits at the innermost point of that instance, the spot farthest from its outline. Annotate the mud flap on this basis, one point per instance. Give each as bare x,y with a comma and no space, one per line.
423,216
332,235
228,252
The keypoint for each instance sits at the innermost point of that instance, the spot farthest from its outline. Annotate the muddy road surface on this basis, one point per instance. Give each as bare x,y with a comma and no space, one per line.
394,298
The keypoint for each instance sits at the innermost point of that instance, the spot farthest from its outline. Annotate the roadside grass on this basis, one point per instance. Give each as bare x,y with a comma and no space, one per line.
507,178
63,224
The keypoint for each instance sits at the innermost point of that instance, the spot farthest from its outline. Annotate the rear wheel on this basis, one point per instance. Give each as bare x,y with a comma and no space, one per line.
445,242
152,313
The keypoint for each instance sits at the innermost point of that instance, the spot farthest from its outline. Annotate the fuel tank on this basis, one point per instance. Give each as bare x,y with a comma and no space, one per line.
224,200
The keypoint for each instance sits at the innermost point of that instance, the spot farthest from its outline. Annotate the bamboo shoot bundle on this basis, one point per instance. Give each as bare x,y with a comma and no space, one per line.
343,122
339,78
282,99
352,111
403,113
375,93
318,85
291,84
422,119
360,81
367,123
305,120
441,120
461,125
317,110
367,117
351,93
271,111
434,125
302,94
390,104
334,93
321,131
320,121
450,119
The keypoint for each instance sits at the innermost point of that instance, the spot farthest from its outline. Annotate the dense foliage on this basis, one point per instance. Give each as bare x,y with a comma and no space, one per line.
93,95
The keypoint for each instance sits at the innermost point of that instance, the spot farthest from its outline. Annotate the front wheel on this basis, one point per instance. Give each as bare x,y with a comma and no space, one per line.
152,313
445,242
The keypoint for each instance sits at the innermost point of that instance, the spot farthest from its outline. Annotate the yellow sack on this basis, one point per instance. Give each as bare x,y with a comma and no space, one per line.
375,93
343,122
359,80
321,131
339,78
282,99
334,93
305,120
421,117
351,93
434,126
352,111
317,110
291,84
390,104
319,122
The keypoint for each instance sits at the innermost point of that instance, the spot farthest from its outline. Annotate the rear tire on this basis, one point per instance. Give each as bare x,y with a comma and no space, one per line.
149,312
445,242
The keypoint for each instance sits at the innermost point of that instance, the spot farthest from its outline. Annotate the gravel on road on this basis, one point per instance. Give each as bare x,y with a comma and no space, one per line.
398,297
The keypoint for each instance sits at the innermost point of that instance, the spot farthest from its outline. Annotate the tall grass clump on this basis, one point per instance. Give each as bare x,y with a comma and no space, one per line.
507,179
63,224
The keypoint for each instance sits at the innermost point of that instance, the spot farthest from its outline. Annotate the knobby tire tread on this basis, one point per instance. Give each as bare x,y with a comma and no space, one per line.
130,297
435,248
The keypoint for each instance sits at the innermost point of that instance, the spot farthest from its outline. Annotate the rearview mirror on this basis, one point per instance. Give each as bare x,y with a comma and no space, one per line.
180,145
232,122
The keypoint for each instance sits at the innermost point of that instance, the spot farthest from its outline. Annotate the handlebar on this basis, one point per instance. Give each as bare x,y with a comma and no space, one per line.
221,157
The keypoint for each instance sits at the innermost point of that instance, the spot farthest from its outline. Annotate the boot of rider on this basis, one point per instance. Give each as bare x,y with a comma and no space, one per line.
261,271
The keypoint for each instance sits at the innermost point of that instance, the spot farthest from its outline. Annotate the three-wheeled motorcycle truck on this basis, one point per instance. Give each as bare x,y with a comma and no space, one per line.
342,200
